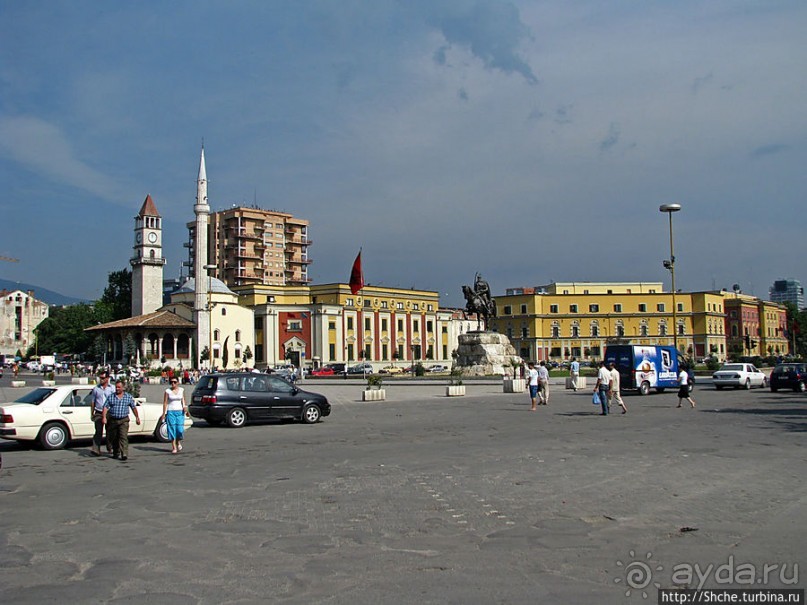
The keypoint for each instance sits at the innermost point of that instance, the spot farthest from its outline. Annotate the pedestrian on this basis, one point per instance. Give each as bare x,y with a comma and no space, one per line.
615,384
532,382
603,387
574,370
543,383
683,388
100,392
116,419
174,410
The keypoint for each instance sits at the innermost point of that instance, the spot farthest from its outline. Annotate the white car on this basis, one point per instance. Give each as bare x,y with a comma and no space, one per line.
438,368
739,375
54,416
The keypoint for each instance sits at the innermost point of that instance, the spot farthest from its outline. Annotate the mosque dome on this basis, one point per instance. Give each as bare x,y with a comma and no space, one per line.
216,287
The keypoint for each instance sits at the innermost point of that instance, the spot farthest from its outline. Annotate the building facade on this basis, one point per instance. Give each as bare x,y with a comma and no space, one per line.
755,327
787,290
252,246
20,315
563,320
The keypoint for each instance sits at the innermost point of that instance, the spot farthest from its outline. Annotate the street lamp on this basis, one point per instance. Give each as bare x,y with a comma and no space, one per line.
670,264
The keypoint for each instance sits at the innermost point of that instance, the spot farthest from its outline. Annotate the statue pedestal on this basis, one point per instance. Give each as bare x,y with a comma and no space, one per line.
485,353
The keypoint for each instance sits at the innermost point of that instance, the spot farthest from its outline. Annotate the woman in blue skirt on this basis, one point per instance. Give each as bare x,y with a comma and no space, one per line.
174,411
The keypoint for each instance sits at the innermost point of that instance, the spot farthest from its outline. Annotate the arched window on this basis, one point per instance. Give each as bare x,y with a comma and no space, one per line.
575,331
643,329
620,330
216,334
555,331
224,310
595,329
238,336
183,346
168,346
662,328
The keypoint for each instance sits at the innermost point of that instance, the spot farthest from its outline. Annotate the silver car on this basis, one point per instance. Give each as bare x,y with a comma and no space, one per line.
739,375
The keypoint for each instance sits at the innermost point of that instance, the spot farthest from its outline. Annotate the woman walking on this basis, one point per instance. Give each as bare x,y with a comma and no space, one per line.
174,411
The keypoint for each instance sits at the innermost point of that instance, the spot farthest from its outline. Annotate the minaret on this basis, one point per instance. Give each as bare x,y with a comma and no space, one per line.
147,262
201,311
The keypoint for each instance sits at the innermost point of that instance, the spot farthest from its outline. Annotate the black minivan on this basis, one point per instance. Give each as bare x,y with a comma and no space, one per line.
789,376
240,397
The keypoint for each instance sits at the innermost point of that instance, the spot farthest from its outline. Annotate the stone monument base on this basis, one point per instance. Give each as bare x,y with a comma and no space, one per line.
485,353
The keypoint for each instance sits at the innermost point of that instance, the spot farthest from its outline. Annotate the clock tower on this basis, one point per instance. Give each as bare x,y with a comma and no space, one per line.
147,262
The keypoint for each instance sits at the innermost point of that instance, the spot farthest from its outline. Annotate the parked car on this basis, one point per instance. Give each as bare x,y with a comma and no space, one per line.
391,370
240,397
789,376
361,368
438,367
324,371
739,375
55,416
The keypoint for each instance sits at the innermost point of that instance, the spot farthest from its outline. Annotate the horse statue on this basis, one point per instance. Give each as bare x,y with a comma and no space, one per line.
479,302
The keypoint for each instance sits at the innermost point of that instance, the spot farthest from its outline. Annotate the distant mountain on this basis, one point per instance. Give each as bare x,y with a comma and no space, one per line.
43,294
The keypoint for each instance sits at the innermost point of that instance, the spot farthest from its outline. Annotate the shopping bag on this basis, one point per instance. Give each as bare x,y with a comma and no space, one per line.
596,398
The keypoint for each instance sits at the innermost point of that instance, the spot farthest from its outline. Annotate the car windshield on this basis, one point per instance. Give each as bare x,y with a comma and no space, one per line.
36,396
733,366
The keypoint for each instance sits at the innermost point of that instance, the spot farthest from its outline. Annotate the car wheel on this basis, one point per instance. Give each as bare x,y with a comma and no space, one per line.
644,388
747,385
311,414
161,433
53,436
236,418
801,387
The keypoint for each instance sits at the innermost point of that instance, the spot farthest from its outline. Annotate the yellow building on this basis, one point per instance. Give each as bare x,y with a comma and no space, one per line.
320,324
578,319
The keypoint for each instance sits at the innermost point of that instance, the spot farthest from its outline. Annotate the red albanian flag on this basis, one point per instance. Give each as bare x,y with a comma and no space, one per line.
356,275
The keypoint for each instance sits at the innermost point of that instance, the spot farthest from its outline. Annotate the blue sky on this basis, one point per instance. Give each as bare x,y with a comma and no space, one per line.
531,141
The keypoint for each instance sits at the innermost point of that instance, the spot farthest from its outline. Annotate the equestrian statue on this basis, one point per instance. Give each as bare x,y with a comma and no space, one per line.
479,302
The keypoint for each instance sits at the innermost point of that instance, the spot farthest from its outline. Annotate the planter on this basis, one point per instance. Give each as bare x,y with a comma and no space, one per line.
455,390
79,380
514,385
374,395
581,382
17,383
155,379
48,383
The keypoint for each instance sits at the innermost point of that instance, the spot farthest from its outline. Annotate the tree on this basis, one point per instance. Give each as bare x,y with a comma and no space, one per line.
116,301
247,354
63,330
225,354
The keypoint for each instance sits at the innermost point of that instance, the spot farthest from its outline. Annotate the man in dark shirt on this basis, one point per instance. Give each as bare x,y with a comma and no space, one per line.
116,418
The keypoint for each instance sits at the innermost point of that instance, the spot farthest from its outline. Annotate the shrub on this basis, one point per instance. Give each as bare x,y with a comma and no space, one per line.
455,377
374,381
419,369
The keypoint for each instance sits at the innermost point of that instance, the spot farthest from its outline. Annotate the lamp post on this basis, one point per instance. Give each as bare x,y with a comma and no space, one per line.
670,264
209,268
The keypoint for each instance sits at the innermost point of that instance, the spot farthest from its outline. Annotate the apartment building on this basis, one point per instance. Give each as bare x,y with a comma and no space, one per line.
20,315
252,246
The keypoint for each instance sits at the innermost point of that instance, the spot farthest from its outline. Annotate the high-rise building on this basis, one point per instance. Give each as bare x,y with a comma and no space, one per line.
256,247
787,290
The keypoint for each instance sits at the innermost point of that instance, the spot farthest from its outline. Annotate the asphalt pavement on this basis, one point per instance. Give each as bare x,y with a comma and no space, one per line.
420,499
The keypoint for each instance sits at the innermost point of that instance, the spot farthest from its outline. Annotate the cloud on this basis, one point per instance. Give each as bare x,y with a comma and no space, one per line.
611,139
43,148
491,31
767,150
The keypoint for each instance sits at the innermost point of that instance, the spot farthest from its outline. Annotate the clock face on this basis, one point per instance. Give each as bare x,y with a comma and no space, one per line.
139,237
152,237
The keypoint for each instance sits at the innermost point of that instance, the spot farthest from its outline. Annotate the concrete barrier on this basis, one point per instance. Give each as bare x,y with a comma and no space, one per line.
374,395
17,383
79,380
455,390
514,385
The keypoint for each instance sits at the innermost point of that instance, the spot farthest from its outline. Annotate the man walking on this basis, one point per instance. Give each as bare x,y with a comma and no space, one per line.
615,384
603,386
532,381
99,395
574,370
116,419
543,383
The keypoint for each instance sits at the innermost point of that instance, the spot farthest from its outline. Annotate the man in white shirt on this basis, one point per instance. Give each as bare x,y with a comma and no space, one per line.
603,387
543,383
574,370
615,383
532,381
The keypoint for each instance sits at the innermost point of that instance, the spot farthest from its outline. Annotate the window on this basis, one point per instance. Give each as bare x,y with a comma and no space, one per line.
620,330
617,308
383,304
349,323
238,336
595,330
555,331
400,325
508,310
681,329
216,334
642,308
662,329
367,303
572,308
660,307
429,326
523,309
348,302
643,330
224,310
399,306
680,307
415,307
384,325
332,326
295,325
553,308
594,308
575,332
416,326
367,324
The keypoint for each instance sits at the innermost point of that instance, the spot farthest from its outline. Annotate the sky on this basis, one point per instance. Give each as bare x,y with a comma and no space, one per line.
529,141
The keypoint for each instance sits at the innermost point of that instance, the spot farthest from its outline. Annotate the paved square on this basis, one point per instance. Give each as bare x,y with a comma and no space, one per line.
419,499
